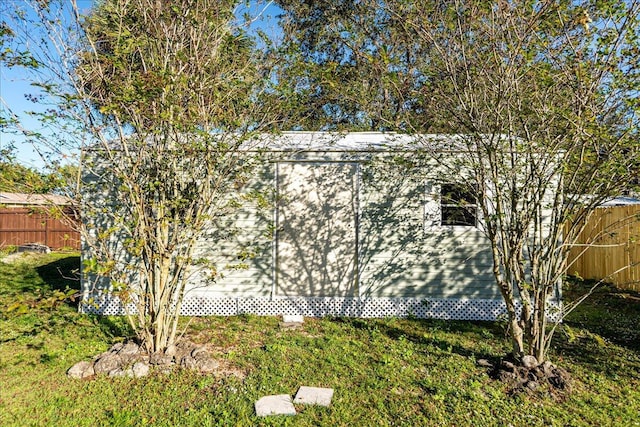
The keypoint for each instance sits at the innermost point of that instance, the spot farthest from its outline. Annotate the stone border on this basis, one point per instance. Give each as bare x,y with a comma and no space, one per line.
130,360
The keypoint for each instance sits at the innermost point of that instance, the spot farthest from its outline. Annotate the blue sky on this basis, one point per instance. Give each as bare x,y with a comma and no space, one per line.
15,84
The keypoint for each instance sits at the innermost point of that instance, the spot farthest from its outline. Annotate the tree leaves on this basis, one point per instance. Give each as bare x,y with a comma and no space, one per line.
154,64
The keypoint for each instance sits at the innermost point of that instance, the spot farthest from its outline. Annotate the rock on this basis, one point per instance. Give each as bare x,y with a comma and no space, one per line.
185,344
188,362
520,382
536,374
531,375
547,368
130,353
171,351
131,360
129,349
160,359
183,348
561,379
106,363
116,347
199,353
529,361
508,366
120,373
532,385
140,369
484,363
181,354
275,405
81,370
505,376
207,365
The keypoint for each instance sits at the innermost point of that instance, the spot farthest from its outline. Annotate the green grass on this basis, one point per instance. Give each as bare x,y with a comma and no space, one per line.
384,372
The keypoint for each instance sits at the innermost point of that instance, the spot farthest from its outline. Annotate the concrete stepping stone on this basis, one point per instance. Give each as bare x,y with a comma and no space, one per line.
275,405
314,396
292,318
291,321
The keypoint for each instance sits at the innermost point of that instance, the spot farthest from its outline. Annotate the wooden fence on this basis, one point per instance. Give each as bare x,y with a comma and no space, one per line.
35,225
613,236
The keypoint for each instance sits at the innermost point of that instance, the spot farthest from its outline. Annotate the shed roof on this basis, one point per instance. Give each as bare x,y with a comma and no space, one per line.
336,141
352,141
24,199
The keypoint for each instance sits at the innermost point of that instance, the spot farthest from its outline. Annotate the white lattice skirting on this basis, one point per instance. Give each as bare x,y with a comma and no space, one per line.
453,309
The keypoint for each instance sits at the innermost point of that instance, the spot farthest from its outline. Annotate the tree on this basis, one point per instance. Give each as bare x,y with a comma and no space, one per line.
17,178
159,96
176,81
348,65
546,95
543,94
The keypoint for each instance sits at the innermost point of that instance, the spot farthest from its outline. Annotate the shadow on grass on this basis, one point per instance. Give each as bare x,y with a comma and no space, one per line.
611,313
603,332
64,274
40,295
112,326
61,275
597,355
421,333
51,323
586,339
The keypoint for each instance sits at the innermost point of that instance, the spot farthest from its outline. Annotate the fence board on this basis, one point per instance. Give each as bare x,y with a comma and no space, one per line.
23,225
613,234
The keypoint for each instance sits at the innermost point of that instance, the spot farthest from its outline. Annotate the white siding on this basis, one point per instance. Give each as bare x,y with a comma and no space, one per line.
400,250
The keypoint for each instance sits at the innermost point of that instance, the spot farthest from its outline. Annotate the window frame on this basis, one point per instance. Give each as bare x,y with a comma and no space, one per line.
465,201
433,207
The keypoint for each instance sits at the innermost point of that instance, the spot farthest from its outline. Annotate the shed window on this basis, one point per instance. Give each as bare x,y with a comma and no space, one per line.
458,206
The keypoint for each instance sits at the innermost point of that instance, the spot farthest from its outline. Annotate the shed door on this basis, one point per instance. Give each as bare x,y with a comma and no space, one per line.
316,241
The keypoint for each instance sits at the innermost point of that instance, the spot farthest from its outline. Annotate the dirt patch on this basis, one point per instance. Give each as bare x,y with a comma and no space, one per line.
528,376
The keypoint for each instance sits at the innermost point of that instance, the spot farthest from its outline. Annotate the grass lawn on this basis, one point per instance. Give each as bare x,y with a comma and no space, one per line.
384,371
